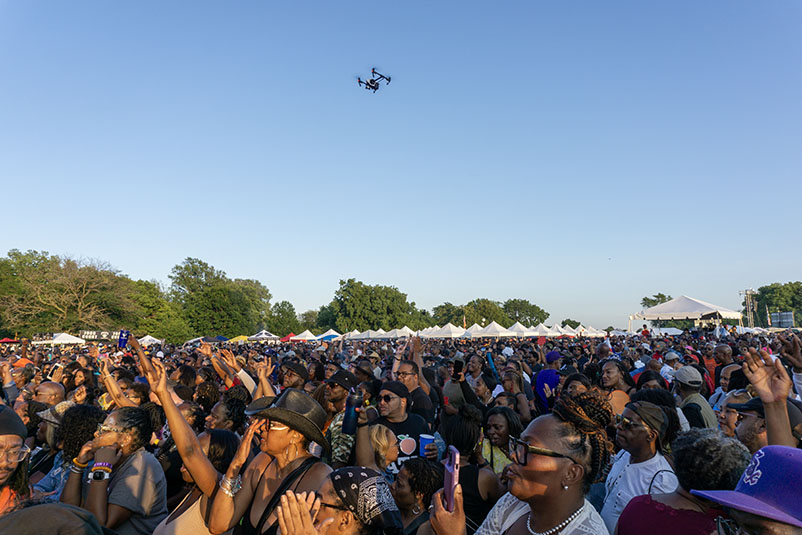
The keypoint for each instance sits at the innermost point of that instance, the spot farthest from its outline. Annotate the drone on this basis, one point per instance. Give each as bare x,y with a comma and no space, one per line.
373,83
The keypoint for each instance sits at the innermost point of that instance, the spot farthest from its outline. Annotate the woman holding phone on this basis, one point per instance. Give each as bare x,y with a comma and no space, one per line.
556,459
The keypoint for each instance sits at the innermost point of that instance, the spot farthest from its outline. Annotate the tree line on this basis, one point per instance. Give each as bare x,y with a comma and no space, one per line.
41,293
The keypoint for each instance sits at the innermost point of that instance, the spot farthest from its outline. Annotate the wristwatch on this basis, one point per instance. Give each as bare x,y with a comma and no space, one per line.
100,475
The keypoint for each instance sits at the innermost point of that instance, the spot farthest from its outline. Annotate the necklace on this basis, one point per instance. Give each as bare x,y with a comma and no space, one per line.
558,527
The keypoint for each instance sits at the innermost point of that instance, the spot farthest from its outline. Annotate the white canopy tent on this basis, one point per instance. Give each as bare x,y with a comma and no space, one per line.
541,330
263,335
520,330
447,331
378,334
685,308
331,332
149,340
570,331
305,336
351,334
64,338
405,332
494,330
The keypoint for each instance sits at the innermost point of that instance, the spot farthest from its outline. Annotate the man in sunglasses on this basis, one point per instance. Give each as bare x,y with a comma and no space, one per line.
393,411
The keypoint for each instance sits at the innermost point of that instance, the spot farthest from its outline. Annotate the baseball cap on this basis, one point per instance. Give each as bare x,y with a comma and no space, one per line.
671,355
763,489
297,369
688,375
551,356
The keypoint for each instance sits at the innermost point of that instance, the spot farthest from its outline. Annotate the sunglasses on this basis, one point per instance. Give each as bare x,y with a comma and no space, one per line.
626,423
522,450
387,398
330,505
103,428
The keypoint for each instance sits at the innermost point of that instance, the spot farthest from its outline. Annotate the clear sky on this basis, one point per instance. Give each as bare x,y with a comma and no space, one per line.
577,154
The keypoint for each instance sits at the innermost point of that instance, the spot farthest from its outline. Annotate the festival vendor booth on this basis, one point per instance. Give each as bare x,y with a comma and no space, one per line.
305,336
329,335
686,308
288,337
61,339
520,330
447,331
264,336
494,330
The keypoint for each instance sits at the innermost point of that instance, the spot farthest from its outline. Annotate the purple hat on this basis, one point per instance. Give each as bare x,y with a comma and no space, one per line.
551,356
764,488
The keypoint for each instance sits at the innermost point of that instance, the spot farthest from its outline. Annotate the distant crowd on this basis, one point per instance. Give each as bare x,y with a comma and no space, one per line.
691,434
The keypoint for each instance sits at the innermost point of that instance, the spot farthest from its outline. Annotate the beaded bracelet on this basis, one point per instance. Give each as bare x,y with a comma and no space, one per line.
102,465
231,486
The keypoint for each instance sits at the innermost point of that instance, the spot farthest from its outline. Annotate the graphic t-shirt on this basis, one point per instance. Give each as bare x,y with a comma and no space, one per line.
408,433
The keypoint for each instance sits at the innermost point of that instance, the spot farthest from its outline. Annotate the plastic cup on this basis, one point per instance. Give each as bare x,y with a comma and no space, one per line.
422,441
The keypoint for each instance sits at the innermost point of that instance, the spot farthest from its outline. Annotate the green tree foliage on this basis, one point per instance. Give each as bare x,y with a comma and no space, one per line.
778,297
160,317
656,299
215,305
522,310
483,311
308,320
448,313
44,293
571,323
361,306
283,319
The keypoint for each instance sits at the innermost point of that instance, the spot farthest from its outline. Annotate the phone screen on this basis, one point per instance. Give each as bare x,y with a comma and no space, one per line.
458,365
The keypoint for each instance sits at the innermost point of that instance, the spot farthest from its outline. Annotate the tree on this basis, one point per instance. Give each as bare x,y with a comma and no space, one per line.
361,306
778,297
283,319
44,293
448,313
258,297
656,299
160,317
483,311
571,323
308,320
220,309
193,275
522,310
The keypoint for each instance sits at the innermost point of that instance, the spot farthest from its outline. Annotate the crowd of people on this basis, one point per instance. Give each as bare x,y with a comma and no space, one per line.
689,434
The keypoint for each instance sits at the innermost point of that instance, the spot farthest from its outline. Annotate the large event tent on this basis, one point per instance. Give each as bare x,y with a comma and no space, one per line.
331,334
520,330
61,339
685,308
494,330
263,335
305,336
447,331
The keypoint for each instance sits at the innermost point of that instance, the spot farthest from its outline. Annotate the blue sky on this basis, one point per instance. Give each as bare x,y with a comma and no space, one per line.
577,154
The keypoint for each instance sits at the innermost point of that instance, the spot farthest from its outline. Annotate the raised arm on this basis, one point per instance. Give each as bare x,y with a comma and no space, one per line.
113,388
417,357
773,385
189,447
364,449
144,360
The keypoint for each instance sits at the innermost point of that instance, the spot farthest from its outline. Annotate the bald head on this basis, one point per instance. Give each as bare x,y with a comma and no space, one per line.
49,393
654,365
726,372
723,354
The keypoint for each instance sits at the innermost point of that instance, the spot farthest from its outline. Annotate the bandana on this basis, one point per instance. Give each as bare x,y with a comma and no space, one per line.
652,415
366,494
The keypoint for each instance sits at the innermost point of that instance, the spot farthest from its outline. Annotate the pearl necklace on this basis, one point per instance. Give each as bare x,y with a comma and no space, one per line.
555,529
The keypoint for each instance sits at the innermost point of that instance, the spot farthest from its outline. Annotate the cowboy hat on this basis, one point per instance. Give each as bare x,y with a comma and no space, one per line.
296,409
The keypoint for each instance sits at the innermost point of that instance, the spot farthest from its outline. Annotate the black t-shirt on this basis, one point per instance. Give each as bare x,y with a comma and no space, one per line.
422,405
408,433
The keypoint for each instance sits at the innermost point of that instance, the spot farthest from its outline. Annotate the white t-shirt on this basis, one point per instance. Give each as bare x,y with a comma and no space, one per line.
627,480
509,509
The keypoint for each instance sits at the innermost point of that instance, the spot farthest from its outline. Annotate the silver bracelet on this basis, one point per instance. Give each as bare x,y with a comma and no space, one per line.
231,486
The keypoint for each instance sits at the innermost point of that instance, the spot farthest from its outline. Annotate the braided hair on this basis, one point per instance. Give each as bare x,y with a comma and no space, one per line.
585,417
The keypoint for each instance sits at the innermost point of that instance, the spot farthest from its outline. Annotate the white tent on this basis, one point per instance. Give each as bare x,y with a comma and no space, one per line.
405,332
377,335
448,331
64,338
149,340
570,331
592,332
557,330
685,308
520,330
263,335
494,330
351,334
330,332
541,330
427,331
304,336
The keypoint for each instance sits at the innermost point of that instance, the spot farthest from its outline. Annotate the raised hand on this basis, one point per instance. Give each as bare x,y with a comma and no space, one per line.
205,350
241,457
295,515
230,360
792,351
158,377
443,522
767,376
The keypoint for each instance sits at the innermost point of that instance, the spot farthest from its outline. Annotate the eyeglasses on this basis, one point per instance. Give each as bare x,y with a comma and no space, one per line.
626,423
15,455
403,374
387,398
330,505
522,450
103,428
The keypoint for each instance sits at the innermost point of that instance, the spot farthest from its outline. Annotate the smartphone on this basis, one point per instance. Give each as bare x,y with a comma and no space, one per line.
452,477
458,365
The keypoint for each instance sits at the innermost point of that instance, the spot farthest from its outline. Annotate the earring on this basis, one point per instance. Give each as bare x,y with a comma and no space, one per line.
565,487
416,509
